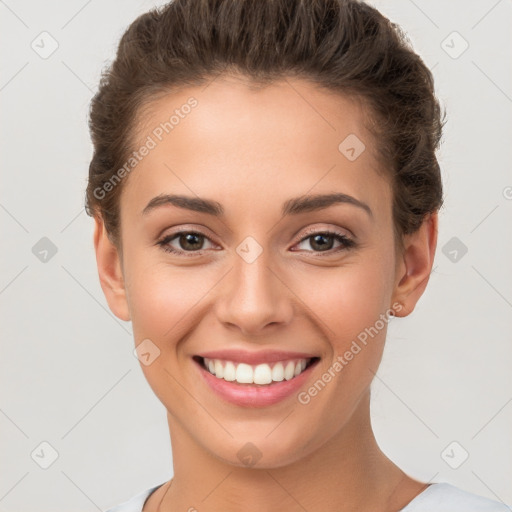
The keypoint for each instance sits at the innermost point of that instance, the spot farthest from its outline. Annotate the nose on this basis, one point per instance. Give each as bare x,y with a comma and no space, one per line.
254,297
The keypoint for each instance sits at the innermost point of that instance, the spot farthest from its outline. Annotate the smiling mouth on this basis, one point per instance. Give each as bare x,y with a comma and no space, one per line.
266,374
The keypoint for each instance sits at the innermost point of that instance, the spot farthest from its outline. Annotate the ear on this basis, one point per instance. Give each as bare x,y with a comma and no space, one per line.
110,271
415,265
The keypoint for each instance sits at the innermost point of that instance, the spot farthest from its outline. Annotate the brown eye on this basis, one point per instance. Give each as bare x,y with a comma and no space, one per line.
323,241
190,241
185,242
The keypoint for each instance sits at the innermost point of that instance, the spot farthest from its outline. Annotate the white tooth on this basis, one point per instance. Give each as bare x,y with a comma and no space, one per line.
219,371
289,370
229,371
278,372
244,374
262,374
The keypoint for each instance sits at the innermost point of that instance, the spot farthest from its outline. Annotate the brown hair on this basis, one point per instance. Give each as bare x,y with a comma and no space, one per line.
345,46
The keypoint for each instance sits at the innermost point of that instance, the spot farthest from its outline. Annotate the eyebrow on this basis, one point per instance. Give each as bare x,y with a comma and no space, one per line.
292,206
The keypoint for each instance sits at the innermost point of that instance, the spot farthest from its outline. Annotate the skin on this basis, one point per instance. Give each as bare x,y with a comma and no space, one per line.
251,150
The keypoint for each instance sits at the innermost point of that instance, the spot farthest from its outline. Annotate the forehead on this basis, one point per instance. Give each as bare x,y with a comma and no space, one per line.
229,139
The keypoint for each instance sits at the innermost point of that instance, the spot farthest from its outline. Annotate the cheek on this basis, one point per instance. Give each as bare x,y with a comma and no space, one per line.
351,306
161,296
350,298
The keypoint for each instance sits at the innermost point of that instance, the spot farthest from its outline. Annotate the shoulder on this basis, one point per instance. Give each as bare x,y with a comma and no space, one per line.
444,497
135,503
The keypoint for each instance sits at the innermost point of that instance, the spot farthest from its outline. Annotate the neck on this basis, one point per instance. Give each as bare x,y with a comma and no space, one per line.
349,472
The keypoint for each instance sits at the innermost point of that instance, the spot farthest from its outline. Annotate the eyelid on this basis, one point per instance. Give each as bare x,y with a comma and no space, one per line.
336,230
180,228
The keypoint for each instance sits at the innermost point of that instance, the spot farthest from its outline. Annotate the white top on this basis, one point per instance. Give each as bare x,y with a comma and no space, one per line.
438,497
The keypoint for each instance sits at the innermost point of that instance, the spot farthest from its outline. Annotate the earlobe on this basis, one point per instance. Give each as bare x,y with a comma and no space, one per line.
415,265
110,271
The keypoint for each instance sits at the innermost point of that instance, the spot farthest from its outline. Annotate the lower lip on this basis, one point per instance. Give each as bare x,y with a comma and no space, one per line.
255,395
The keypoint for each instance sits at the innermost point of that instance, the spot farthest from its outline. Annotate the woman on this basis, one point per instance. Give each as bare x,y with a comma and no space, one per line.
265,192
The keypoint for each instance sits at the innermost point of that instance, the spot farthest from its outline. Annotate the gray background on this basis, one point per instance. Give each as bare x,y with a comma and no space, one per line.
68,374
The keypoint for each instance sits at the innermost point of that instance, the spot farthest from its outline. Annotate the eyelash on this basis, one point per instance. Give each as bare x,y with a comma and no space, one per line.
346,242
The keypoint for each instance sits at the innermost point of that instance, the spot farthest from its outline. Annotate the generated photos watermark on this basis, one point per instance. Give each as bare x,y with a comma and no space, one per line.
304,397
151,142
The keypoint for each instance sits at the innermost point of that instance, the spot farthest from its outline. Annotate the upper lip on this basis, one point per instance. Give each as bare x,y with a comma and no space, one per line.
248,357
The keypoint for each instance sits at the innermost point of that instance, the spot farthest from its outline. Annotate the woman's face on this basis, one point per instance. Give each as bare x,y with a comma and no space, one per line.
249,275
